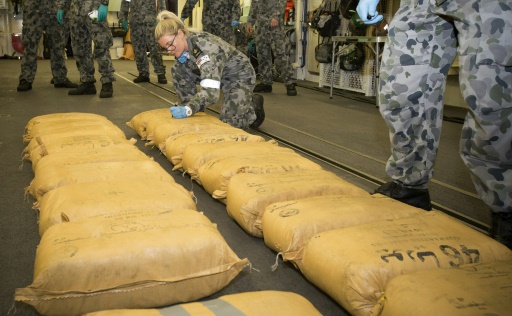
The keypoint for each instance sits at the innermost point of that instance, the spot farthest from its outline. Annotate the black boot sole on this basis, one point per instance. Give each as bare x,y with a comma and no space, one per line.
263,89
106,94
419,198
85,92
141,80
23,89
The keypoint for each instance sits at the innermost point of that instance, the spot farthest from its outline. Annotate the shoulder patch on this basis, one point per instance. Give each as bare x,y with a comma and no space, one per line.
202,60
196,52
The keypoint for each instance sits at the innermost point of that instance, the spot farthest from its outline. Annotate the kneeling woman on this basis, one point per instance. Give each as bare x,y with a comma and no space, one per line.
208,60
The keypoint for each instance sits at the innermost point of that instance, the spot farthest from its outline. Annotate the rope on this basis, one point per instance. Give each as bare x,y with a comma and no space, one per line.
274,266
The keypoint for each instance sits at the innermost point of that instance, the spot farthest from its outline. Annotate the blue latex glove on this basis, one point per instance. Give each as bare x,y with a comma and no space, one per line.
102,13
367,8
179,112
60,16
235,23
182,19
125,25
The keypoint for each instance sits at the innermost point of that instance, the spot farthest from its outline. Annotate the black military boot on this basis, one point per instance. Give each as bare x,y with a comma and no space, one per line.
84,88
24,85
501,229
415,197
162,79
290,89
66,84
106,90
257,101
260,87
141,78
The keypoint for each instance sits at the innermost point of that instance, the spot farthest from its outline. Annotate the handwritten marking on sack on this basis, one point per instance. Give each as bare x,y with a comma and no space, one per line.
218,139
463,256
289,212
266,168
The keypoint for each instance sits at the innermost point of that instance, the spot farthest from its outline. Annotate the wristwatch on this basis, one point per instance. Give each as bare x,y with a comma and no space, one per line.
189,110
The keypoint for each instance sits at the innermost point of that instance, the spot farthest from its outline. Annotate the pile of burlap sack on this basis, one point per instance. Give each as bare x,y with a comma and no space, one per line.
117,232
372,254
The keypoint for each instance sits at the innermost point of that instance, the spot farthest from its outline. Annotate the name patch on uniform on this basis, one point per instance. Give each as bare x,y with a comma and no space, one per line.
203,59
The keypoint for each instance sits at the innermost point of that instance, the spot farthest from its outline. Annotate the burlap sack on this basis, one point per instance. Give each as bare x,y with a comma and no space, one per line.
174,145
354,265
158,134
248,304
140,121
75,202
74,144
77,134
113,155
33,123
74,127
469,290
52,175
195,155
289,225
155,122
215,174
249,194
129,260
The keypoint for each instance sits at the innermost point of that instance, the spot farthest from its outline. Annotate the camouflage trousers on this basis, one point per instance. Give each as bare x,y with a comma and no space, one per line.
423,41
220,28
34,24
267,37
143,39
83,32
237,107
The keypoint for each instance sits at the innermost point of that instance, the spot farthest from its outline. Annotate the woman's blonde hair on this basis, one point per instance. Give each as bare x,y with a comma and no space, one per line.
168,24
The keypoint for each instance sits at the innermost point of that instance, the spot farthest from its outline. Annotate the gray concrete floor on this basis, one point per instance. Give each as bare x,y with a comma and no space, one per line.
345,131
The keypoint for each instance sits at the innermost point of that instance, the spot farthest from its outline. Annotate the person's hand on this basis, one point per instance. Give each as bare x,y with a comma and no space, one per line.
180,112
235,23
368,8
125,25
102,13
248,28
60,16
274,22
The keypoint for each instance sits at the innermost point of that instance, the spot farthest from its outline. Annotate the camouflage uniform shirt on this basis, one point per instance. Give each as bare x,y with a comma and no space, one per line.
215,65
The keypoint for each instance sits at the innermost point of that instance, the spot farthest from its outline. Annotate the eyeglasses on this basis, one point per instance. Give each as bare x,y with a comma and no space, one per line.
169,48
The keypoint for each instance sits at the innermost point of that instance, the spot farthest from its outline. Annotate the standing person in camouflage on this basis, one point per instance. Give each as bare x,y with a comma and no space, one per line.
268,17
207,60
142,17
38,18
88,22
424,38
219,17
